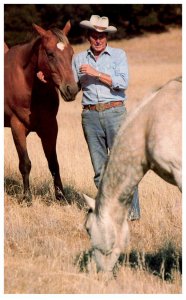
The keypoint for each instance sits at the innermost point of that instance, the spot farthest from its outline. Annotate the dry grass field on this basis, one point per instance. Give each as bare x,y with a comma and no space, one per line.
46,246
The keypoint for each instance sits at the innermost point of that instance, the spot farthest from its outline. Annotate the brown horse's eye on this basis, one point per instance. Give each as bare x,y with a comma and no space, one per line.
50,55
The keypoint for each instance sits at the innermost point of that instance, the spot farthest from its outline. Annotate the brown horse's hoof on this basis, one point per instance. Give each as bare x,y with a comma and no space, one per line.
62,201
59,194
26,200
60,198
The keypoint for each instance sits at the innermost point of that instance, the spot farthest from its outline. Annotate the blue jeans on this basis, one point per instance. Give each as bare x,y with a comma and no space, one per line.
100,129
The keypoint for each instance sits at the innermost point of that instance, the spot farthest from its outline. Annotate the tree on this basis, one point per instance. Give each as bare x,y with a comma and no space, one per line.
130,19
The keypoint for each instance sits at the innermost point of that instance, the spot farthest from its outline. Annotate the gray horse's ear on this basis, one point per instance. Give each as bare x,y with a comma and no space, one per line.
89,201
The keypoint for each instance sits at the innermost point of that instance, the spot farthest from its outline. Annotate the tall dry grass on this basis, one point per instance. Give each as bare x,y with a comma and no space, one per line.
46,245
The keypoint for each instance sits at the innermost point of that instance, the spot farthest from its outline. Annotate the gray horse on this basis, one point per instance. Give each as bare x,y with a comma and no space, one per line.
150,138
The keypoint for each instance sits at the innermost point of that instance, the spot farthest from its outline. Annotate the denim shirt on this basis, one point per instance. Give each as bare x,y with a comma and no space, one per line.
113,62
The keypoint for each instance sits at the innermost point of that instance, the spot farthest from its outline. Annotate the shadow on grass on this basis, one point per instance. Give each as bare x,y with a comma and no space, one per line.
74,197
45,191
12,187
163,263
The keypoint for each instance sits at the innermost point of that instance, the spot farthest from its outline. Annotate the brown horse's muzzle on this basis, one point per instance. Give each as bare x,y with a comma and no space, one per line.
69,91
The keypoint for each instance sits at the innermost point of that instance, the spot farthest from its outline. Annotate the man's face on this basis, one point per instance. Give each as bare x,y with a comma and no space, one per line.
98,41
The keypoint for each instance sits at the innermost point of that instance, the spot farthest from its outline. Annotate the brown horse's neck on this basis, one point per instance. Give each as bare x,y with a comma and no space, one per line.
29,59
29,52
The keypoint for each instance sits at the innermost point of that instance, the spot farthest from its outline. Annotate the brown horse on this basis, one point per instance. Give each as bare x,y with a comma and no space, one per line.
31,105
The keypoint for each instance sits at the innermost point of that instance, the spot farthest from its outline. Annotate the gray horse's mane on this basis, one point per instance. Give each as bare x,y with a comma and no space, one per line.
135,112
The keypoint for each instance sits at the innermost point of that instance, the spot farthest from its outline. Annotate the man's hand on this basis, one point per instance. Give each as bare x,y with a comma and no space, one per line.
104,78
41,76
87,69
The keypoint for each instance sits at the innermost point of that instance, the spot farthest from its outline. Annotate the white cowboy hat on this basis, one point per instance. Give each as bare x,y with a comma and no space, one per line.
99,24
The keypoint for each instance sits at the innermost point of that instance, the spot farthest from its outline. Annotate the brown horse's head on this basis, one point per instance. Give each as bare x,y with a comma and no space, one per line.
55,60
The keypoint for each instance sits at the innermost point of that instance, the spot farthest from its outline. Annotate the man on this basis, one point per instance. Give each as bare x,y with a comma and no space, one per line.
102,74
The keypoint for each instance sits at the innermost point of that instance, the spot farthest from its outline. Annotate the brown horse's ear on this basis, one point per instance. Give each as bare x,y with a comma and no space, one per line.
67,28
40,30
5,48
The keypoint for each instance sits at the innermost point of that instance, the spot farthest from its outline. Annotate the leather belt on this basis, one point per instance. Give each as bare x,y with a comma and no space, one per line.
103,106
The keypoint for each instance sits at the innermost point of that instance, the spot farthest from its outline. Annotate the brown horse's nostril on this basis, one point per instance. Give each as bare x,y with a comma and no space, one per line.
69,89
69,92
72,90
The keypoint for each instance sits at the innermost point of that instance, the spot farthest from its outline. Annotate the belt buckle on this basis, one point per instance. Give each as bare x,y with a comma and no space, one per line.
100,107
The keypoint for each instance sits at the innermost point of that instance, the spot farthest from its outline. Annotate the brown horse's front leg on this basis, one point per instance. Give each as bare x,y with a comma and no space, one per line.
54,169
19,133
48,137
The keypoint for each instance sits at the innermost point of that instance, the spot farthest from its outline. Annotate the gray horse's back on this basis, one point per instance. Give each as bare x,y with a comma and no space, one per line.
165,132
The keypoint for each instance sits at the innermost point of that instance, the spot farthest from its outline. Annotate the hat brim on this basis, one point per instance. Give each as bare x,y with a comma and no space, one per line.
88,25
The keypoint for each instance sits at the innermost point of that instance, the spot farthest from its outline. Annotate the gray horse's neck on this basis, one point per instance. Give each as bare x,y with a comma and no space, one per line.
127,164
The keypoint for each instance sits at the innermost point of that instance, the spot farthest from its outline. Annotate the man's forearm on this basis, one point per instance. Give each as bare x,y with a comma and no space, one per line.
105,78
89,70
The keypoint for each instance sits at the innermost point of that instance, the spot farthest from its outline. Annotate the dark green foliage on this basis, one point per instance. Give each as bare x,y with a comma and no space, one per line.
130,19
18,21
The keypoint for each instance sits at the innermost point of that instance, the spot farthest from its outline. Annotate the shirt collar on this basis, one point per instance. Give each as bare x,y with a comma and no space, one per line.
107,51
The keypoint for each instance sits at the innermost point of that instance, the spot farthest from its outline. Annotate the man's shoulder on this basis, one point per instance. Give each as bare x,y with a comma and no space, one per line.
80,55
116,51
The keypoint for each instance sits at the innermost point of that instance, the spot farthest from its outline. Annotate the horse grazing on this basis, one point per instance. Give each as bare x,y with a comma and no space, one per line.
31,105
149,138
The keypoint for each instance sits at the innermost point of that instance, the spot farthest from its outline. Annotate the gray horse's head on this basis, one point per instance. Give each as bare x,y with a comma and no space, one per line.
108,239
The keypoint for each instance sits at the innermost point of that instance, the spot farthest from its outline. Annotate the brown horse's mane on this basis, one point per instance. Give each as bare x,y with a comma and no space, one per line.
59,33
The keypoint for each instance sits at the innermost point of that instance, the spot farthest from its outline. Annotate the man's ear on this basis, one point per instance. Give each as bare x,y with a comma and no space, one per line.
89,201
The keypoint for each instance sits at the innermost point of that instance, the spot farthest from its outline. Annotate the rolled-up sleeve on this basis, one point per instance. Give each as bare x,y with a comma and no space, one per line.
119,73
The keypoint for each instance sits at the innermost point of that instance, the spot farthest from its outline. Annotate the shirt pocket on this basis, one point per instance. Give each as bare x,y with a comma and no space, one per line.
110,68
